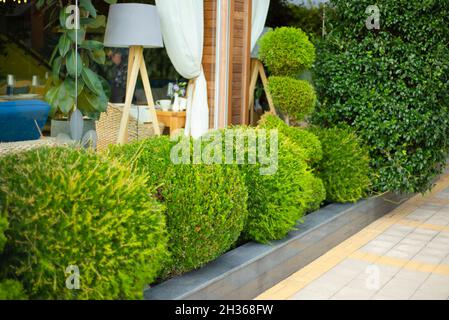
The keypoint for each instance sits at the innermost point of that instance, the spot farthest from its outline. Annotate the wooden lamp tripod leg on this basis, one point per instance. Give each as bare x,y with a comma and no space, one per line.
136,60
263,76
149,95
252,89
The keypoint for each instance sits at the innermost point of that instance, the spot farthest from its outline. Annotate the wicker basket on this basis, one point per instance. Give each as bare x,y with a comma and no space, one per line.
22,146
109,124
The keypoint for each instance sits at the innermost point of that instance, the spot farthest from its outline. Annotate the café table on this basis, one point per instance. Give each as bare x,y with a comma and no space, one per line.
173,120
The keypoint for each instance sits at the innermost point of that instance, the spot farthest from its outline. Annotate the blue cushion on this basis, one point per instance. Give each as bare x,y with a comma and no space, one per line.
18,119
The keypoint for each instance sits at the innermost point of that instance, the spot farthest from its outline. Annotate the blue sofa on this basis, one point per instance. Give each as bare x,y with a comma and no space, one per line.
18,120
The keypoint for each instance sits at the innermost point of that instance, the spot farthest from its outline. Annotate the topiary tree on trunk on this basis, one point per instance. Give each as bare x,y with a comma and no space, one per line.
392,84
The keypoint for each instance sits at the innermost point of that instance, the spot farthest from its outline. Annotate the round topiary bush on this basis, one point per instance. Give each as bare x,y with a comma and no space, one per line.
279,197
206,204
11,290
70,208
344,168
309,143
286,51
295,98
391,86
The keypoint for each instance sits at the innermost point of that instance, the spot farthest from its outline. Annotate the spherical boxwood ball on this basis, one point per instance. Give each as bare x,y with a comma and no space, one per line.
73,212
286,51
206,204
295,98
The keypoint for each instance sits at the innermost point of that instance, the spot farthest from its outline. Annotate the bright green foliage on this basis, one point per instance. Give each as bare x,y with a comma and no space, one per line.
295,98
391,85
73,208
206,204
11,290
309,144
344,168
286,51
277,199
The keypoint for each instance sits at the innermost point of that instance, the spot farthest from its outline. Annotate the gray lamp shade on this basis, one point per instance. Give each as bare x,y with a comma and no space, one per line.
133,24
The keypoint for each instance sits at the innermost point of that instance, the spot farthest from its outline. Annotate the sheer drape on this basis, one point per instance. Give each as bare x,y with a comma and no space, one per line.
182,23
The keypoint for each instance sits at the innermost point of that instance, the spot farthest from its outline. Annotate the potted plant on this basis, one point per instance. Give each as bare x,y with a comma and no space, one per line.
73,83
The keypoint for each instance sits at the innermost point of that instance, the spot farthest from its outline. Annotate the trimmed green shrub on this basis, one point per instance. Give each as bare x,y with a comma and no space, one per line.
295,98
69,207
391,86
206,204
11,290
277,198
309,144
3,227
344,168
286,51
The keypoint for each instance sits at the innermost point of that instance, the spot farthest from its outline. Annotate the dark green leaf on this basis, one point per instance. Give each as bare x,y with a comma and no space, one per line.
98,56
64,45
87,4
92,81
74,64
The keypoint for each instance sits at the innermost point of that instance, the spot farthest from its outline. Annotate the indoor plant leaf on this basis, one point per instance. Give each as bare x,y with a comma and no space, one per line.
92,45
65,99
74,63
98,56
92,81
87,4
64,45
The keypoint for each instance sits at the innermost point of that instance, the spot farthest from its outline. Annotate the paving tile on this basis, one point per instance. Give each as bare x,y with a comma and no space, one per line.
426,295
372,248
399,254
434,287
442,195
323,288
432,206
348,293
343,272
408,250
438,279
427,258
382,297
427,232
399,231
421,214
401,289
364,282
420,237
310,295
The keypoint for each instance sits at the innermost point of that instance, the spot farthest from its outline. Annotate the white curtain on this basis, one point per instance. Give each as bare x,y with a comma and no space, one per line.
259,17
182,23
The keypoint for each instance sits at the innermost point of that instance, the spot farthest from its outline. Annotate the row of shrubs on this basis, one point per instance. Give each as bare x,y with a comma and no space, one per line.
130,217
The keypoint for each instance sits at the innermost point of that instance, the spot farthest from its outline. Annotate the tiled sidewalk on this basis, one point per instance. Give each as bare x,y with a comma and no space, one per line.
404,255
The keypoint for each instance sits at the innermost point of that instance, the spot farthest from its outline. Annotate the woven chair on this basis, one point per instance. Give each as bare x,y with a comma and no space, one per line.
109,124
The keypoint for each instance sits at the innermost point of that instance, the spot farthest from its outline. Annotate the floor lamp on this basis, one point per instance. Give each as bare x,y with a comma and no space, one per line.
258,70
134,26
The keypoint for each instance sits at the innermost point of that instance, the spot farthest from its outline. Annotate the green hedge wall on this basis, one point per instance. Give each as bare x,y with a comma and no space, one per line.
391,85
